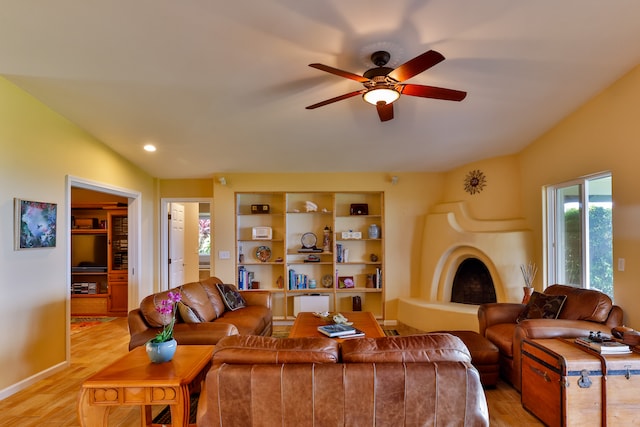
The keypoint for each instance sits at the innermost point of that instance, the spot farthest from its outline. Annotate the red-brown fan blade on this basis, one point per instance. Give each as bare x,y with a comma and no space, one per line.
433,92
385,111
337,98
340,73
416,65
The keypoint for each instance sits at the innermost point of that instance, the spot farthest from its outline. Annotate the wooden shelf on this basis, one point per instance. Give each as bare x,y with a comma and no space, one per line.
111,297
88,231
289,228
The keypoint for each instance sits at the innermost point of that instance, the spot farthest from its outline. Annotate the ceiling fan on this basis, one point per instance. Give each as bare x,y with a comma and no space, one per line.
383,85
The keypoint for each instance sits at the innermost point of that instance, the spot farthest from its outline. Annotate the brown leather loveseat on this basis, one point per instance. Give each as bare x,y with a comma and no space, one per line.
584,310
203,317
424,380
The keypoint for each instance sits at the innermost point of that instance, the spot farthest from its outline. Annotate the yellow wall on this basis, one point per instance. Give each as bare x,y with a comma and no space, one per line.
600,136
39,149
500,198
405,204
186,188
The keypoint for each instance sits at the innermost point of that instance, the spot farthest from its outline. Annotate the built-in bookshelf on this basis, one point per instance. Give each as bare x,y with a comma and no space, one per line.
99,266
312,243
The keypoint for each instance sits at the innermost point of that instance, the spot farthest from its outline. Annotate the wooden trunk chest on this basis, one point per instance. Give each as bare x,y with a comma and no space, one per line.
563,385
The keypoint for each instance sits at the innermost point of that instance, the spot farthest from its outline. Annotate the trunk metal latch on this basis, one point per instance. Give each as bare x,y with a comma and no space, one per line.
584,381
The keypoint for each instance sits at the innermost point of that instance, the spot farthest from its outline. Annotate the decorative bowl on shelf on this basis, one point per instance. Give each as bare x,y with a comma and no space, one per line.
263,253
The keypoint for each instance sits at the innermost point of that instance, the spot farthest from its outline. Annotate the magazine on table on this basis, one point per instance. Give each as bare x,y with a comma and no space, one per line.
604,346
356,334
336,330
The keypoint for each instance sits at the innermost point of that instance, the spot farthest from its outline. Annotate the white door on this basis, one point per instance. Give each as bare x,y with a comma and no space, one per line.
176,244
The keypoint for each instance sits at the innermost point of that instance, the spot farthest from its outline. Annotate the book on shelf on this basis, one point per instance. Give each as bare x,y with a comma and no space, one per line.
604,346
336,330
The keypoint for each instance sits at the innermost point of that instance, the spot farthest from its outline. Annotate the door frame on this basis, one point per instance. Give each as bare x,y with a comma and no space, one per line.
164,232
134,239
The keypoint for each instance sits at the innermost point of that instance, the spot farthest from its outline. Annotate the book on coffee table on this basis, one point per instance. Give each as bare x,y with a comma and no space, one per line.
604,346
336,330
356,333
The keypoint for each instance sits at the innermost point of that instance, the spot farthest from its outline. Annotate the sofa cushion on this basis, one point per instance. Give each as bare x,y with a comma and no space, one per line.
251,320
501,335
250,349
413,348
192,294
542,306
148,309
187,314
195,296
210,287
231,297
582,304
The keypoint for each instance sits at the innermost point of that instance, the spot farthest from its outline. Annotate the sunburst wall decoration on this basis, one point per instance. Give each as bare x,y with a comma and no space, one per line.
474,182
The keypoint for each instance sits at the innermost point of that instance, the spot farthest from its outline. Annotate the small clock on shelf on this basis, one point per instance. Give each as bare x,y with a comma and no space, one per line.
308,242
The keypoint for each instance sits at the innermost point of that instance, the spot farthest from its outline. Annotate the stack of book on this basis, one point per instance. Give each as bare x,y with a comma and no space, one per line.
604,346
84,288
245,277
340,331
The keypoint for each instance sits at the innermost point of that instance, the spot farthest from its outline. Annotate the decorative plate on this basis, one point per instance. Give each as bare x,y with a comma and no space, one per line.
474,182
327,280
309,240
263,253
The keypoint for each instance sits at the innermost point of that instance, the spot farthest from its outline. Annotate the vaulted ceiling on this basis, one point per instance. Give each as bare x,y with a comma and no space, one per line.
222,86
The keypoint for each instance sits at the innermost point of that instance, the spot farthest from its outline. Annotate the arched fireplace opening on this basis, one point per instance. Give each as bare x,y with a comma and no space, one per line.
472,283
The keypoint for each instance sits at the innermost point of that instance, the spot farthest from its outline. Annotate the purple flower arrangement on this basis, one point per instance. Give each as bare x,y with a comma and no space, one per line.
167,308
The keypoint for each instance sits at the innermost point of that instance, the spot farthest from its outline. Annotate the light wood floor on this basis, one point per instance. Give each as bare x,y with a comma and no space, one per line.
52,402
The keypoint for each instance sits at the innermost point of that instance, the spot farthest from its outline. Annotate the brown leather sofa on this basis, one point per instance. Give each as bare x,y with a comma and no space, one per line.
584,310
392,381
208,319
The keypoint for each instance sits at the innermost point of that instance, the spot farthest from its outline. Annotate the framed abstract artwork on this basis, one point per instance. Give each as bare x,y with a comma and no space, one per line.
35,224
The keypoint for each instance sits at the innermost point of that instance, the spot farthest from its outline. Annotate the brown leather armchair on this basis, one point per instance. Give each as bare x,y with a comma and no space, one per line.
583,311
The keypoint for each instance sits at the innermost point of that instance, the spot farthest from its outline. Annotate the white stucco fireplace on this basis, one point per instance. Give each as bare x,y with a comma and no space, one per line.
450,237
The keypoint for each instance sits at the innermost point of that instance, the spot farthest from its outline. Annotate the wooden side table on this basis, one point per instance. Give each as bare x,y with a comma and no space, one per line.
134,380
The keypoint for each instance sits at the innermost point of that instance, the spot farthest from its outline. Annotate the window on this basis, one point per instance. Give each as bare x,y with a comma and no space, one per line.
580,238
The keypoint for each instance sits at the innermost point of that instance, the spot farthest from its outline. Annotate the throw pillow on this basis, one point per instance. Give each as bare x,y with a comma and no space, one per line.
542,306
188,314
231,297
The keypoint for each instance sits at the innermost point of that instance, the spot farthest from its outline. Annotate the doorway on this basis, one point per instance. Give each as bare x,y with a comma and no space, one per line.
185,241
131,200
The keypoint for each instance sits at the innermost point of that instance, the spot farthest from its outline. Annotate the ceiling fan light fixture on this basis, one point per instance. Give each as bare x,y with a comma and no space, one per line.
386,95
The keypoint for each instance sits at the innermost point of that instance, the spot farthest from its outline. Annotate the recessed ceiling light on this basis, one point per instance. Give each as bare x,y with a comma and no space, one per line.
150,148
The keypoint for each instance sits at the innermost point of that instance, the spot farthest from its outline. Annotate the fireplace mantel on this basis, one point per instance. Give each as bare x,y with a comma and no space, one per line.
452,235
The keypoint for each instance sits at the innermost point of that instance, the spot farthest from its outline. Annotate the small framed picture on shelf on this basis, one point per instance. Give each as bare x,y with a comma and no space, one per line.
359,209
345,282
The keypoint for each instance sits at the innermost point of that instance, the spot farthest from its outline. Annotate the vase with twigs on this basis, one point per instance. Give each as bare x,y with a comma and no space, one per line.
529,271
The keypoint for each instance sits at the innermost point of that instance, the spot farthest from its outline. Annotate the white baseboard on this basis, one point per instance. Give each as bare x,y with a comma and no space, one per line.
21,385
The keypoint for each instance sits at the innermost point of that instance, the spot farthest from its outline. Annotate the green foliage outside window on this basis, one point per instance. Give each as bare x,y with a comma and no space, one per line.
600,249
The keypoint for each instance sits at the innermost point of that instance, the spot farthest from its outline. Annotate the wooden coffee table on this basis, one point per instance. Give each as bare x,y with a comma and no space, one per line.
134,380
306,324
